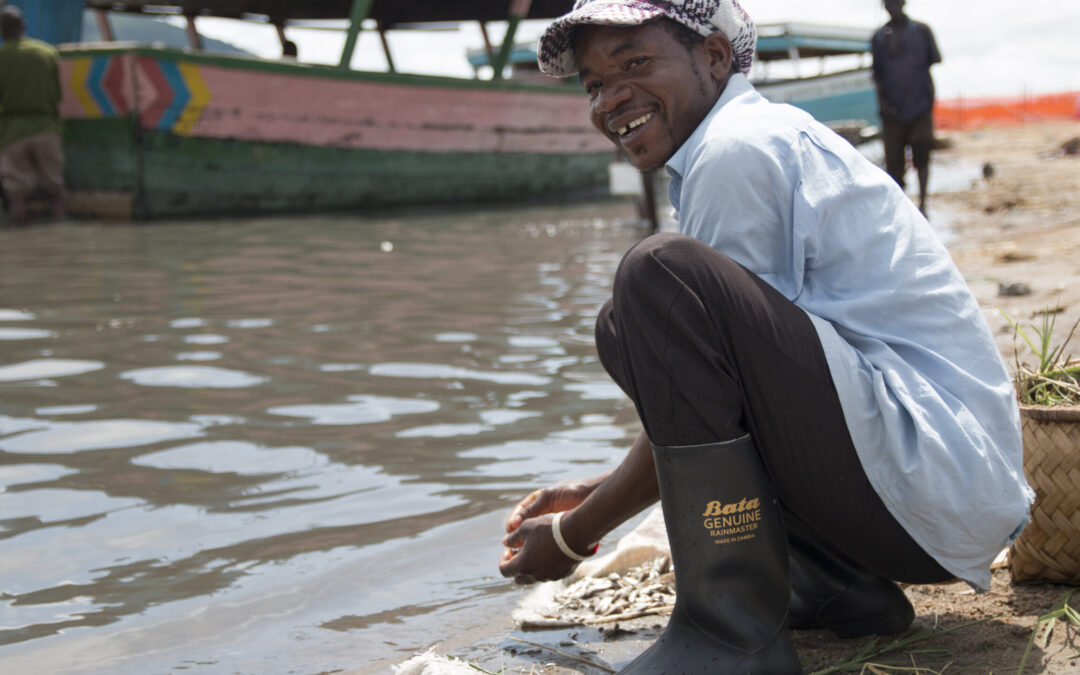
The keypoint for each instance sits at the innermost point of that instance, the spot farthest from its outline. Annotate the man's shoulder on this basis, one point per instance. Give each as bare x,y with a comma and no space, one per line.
37,46
759,121
753,133
921,27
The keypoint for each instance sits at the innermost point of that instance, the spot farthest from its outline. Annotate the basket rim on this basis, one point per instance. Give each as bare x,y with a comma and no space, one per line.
1051,413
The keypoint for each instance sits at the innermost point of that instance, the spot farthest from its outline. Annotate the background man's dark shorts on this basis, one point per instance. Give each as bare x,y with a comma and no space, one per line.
917,133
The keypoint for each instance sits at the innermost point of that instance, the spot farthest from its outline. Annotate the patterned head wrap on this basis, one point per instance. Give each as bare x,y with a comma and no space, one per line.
556,53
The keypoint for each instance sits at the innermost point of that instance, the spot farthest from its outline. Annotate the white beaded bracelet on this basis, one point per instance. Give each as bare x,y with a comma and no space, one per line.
556,532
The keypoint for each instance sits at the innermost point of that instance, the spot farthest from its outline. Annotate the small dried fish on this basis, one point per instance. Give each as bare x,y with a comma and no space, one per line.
645,590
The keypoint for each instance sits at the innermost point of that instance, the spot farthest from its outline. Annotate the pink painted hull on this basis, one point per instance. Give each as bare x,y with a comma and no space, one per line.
243,100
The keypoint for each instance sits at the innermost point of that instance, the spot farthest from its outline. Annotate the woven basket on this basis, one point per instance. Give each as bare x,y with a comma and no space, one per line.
1049,547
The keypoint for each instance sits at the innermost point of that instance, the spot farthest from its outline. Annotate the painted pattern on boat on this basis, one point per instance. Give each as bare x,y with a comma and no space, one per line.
305,106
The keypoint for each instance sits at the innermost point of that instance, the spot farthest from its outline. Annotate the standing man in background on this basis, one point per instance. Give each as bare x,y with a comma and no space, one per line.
31,147
903,52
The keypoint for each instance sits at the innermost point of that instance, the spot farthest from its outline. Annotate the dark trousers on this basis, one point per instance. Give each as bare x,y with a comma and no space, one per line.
708,352
918,134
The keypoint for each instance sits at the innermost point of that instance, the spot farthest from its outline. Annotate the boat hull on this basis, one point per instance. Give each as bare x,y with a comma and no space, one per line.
846,98
154,133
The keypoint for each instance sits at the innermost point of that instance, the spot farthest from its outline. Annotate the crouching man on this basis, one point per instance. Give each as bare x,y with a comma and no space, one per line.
825,411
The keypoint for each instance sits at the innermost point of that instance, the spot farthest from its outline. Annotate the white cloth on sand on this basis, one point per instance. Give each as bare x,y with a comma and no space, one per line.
430,663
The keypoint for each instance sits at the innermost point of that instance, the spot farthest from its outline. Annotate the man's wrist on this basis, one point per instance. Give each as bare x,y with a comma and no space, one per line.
567,543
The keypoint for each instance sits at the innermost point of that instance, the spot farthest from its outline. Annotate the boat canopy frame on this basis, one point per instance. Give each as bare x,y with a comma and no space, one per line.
782,41
387,15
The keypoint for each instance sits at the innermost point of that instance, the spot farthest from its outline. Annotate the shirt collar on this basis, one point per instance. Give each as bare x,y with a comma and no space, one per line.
737,85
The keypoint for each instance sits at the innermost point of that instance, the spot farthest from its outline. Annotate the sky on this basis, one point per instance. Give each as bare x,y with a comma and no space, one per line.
989,47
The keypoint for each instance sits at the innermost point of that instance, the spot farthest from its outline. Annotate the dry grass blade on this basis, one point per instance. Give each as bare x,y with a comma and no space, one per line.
1048,620
880,669
657,611
870,653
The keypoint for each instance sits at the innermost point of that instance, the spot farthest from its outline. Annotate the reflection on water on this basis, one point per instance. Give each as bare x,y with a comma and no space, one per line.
281,445
44,368
192,377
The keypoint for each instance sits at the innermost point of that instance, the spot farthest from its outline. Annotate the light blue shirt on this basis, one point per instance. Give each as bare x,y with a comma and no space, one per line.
928,402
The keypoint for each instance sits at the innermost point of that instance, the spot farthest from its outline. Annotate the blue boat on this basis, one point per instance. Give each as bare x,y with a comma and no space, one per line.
825,70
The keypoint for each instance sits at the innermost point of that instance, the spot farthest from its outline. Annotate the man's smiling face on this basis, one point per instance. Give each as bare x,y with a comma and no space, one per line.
647,91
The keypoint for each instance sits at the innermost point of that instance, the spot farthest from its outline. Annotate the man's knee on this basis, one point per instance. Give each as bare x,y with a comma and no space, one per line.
607,344
605,326
665,256
920,154
50,163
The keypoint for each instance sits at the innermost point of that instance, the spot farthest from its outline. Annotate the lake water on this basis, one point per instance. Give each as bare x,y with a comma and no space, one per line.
288,445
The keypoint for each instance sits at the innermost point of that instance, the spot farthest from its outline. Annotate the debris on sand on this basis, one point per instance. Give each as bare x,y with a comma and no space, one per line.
1013,290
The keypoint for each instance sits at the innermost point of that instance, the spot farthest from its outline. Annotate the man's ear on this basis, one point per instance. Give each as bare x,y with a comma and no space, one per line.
720,55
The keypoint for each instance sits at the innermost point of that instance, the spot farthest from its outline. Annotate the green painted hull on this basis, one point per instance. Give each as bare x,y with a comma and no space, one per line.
116,170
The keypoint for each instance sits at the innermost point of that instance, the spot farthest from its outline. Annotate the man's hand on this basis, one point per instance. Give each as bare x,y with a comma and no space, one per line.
597,505
559,497
531,554
887,110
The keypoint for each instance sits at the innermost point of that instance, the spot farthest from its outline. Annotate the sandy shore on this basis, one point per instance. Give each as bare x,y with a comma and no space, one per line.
1015,238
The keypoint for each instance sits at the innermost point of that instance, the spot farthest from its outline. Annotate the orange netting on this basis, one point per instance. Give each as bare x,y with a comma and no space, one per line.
970,113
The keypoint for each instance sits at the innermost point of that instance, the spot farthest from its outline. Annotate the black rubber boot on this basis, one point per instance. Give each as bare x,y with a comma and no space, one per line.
731,565
831,591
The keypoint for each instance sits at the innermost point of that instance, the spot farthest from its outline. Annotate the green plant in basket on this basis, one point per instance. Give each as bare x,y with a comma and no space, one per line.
1055,379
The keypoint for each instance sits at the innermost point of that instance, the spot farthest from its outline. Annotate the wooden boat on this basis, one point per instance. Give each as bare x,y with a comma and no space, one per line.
154,132
840,93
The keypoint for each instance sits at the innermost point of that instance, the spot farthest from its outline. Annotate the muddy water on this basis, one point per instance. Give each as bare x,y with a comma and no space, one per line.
287,445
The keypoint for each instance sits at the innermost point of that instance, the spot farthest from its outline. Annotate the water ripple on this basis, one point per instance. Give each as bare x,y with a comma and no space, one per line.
66,409
16,315
456,337
38,369
22,474
187,322
438,371
63,437
57,506
198,356
239,457
192,377
13,425
25,333
362,410
444,431
249,323
206,339
532,342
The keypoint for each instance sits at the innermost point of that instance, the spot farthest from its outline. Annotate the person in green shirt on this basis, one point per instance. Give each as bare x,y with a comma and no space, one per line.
31,148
